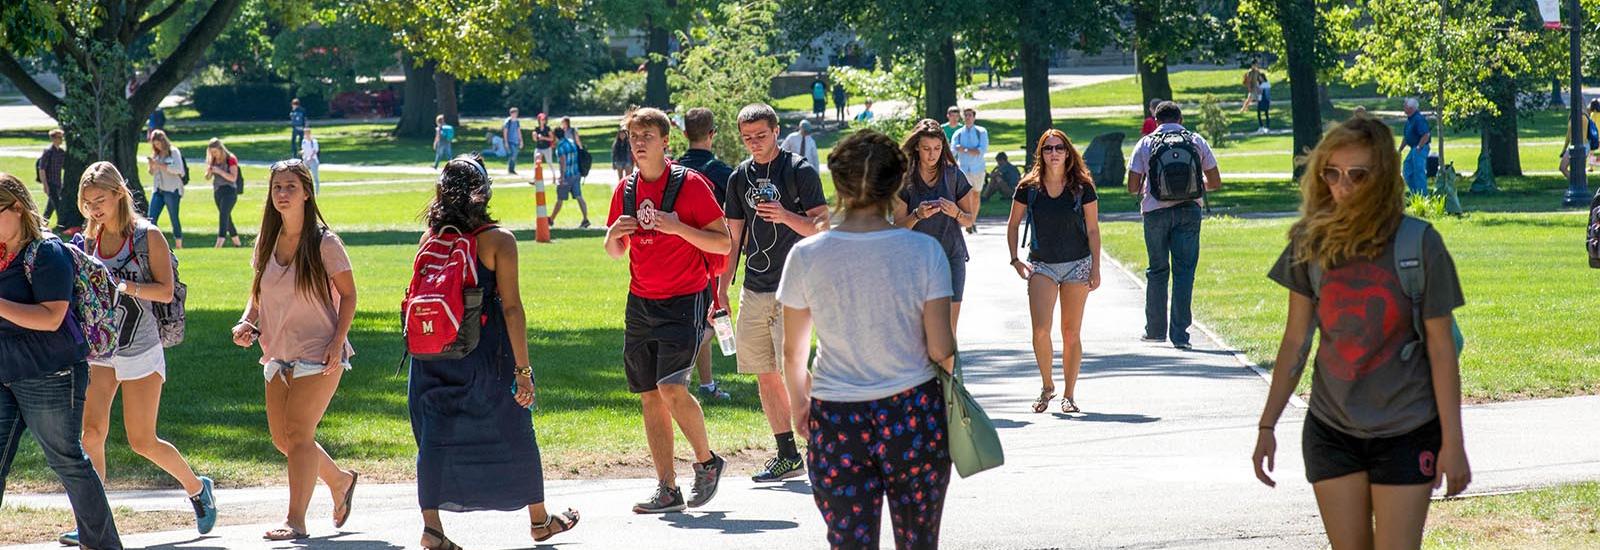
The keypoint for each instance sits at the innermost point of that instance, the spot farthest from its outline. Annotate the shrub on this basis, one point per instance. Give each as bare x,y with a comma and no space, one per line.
611,93
1213,122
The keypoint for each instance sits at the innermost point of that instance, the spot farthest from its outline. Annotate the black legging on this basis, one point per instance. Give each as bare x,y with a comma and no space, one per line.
226,196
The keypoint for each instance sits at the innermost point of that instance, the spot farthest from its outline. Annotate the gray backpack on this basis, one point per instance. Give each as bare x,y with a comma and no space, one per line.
1174,168
1409,264
171,316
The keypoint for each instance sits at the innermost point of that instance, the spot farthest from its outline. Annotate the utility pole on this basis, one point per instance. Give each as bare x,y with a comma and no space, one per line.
1578,128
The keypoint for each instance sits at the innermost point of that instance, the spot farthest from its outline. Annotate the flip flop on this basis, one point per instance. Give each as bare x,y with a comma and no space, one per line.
349,499
566,520
284,533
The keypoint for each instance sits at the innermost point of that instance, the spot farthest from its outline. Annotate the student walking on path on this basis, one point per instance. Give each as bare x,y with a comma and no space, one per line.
1170,171
51,165
700,128
476,448
297,125
1384,426
223,168
168,174
136,254
511,132
774,200
311,155
1058,201
302,302
872,406
443,135
664,219
621,155
44,377
937,200
571,173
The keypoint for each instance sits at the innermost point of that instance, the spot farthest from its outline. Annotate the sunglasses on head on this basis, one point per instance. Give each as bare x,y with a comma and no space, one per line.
285,164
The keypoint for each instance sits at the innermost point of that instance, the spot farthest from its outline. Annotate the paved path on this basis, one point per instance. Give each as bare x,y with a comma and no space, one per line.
1159,460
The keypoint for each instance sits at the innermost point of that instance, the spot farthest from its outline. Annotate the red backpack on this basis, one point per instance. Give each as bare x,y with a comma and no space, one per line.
443,309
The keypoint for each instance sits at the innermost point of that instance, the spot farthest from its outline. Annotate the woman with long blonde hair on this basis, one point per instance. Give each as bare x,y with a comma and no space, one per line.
1384,426
137,255
165,165
1057,199
302,302
936,199
223,168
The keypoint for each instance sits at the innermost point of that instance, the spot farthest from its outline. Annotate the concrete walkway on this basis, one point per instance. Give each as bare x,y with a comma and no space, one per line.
1160,458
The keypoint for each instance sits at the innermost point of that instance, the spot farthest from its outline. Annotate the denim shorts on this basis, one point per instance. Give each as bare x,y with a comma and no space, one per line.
1076,271
293,369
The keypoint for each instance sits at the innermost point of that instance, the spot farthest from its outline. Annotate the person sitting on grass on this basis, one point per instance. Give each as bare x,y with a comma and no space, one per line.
302,301
1002,180
1384,427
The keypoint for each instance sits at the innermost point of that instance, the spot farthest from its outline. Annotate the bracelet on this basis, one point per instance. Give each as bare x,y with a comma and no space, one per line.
525,370
1268,428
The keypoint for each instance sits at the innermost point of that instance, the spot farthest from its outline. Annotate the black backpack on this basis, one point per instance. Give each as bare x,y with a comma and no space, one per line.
1594,232
185,163
585,162
1174,168
715,263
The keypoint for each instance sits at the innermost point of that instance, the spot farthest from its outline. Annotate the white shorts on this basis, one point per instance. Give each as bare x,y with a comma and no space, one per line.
152,361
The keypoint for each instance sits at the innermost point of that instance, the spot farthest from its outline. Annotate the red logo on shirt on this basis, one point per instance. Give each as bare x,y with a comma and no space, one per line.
1361,317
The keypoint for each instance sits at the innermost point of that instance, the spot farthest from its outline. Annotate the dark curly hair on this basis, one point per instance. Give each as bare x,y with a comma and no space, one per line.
461,197
867,170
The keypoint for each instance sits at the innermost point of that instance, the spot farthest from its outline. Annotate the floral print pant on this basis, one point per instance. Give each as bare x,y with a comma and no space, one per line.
861,452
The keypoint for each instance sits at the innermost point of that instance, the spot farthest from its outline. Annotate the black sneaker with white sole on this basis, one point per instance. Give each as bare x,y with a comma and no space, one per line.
665,499
780,468
706,478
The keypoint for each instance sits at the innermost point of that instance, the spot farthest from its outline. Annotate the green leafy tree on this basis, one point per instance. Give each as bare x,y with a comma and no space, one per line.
1289,28
1166,31
726,63
329,53
928,29
573,51
91,45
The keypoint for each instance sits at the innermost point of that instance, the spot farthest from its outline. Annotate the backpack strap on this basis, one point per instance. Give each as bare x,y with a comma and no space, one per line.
789,168
1408,264
630,194
669,197
1027,218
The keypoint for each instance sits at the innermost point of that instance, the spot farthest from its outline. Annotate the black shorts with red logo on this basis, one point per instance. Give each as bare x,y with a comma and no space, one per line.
1406,459
661,339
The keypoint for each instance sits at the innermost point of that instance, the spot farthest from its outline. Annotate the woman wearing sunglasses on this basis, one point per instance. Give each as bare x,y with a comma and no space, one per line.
1057,199
1384,426
302,301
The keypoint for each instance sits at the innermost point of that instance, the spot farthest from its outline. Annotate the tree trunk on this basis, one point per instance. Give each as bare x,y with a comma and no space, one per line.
1323,98
445,94
419,105
1298,19
1035,64
939,78
1500,132
656,93
1152,65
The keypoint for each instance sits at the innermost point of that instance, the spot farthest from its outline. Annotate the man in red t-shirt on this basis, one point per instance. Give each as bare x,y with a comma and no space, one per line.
669,258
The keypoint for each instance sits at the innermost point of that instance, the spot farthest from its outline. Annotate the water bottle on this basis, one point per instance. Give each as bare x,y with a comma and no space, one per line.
724,327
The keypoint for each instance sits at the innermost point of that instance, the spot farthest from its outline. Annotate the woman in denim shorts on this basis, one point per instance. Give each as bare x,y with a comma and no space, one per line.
1057,200
302,302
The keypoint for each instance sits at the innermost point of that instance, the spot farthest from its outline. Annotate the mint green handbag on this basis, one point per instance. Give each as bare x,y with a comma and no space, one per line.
974,443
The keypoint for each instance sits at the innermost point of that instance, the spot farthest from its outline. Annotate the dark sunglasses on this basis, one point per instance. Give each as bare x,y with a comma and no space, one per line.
1356,175
1054,148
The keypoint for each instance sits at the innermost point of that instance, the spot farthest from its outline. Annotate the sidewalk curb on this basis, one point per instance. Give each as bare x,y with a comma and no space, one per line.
1233,351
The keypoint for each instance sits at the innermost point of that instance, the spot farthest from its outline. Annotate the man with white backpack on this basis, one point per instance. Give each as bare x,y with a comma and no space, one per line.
1171,170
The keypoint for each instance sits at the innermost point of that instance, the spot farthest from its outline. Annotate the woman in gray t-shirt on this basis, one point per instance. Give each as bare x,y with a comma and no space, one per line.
872,400
139,260
1384,427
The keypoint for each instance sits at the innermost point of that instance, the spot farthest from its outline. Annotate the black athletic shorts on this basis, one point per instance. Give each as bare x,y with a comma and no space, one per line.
661,339
1406,459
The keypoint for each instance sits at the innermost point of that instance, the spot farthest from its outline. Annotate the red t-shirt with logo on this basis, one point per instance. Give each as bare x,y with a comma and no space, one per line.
666,266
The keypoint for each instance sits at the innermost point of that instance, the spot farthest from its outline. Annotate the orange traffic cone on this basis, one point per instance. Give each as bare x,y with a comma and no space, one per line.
542,225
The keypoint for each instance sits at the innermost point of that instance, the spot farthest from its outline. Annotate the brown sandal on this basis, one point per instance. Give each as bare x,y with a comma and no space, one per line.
349,500
444,542
1068,405
565,520
1043,402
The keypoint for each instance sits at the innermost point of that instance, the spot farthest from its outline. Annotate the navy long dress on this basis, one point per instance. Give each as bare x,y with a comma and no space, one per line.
475,446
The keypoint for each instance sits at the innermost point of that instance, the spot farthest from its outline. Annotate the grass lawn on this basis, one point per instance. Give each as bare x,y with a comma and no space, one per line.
588,422
24,525
1567,516
1519,322
1187,86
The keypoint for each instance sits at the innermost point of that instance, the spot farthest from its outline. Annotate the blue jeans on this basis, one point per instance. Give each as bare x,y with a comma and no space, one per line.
169,200
1415,170
442,152
511,156
295,137
1172,241
51,406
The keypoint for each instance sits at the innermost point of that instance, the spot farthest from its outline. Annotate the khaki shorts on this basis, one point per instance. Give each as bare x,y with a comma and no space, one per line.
759,333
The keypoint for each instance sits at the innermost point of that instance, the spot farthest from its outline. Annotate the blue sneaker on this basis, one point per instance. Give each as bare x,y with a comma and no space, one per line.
205,506
69,538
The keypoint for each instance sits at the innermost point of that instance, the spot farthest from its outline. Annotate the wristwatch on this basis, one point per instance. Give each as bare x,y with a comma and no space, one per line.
525,370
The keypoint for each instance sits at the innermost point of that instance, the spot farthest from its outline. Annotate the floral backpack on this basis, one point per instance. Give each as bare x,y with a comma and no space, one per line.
94,296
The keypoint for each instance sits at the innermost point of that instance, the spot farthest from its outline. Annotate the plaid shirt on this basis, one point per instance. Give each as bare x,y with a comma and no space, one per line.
53,161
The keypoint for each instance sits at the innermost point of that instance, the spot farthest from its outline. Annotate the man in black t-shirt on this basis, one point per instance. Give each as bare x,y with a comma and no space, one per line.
699,126
773,200
544,142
